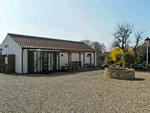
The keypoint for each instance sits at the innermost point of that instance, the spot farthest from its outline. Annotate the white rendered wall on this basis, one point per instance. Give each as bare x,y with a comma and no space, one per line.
63,59
13,48
25,61
87,59
75,57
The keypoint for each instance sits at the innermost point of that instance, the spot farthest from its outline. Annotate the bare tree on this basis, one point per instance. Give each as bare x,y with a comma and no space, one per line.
100,48
97,46
121,35
87,42
138,36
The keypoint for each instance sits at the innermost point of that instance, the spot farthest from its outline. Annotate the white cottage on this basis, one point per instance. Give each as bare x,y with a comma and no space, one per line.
31,53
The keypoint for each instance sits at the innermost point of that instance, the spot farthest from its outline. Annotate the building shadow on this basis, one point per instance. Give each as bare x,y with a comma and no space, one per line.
53,73
50,74
137,79
141,70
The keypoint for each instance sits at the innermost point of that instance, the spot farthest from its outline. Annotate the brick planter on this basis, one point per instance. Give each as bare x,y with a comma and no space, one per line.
127,74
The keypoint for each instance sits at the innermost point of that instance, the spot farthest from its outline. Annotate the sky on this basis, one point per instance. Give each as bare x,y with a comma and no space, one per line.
75,20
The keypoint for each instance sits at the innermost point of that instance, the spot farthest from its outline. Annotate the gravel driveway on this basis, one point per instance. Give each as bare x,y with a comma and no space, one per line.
80,92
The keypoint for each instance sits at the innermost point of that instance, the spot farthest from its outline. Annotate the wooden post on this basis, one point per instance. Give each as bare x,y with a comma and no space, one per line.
50,61
84,60
68,58
70,61
58,60
40,62
37,61
27,60
6,68
53,61
80,59
22,60
90,58
94,59
47,62
79,56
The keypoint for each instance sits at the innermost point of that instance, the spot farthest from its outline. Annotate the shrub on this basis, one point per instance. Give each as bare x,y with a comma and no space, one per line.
145,68
104,65
116,55
148,65
140,66
112,66
124,66
107,61
144,65
118,66
127,58
133,66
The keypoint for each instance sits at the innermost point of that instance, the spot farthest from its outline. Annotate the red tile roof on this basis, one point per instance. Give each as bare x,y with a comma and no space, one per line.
48,43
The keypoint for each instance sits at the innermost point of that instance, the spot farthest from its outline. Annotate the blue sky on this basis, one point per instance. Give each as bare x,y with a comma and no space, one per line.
72,19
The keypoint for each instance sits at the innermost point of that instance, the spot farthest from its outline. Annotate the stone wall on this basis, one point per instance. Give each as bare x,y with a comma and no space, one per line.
120,73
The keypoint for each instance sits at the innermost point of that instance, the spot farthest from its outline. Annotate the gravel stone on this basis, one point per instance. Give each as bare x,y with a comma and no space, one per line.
64,92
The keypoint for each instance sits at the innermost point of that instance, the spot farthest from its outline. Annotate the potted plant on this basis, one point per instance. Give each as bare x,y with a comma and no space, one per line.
45,68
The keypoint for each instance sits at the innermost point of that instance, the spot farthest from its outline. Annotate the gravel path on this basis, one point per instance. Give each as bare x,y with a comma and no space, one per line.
88,92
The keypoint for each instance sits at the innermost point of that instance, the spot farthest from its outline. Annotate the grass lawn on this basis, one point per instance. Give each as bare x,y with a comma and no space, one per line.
74,92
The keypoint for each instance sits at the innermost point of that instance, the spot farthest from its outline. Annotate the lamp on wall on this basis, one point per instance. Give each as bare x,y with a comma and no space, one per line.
7,45
88,55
